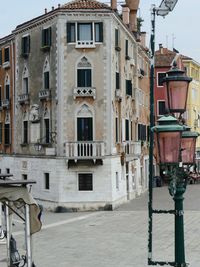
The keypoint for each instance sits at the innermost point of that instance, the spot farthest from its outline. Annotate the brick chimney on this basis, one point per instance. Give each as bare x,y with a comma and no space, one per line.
133,6
125,14
143,39
161,48
114,4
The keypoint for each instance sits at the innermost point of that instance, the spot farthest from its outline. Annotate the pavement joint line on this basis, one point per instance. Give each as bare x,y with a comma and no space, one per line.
62,222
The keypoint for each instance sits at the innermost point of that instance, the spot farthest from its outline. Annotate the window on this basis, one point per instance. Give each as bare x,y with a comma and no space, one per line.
84,129
25,85
7,91
7,170
7,133
160,76
117,46
46,37
161,107
85,32
24,177
6,54
25,45
1,132
47,131
46,181
25,132
117,180
128,87
117,80
142,132
46,80
126,50
85,182
0,57
84,78
127,130
116,130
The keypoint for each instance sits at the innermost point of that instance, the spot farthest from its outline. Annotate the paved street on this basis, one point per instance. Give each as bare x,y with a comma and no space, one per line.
114,239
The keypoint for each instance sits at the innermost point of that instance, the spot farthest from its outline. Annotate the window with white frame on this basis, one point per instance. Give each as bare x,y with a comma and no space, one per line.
160,76
46,37
46,126
85,33
6,54
25,81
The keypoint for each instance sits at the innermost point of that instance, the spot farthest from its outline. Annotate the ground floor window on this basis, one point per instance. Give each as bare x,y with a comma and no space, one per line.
46,181
85,182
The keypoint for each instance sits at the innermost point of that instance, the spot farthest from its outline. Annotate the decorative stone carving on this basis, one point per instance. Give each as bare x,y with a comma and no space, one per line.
34,113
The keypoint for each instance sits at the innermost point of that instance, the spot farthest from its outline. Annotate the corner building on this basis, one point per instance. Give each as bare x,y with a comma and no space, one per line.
81,107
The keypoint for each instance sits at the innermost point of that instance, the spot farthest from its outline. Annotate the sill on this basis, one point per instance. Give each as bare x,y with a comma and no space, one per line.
25,55
117,48
46,48
24,144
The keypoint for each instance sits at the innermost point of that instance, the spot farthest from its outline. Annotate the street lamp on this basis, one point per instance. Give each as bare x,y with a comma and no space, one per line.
176,148
176,85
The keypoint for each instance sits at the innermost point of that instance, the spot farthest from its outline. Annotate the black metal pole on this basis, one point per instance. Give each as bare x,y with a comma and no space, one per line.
150,225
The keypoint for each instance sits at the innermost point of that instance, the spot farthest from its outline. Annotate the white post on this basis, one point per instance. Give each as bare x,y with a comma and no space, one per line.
9,232
28,236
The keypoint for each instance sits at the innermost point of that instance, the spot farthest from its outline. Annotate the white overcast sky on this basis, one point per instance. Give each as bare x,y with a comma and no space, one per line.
179,29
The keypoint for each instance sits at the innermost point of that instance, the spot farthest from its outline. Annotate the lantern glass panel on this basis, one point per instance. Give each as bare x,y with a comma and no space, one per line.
169,147
188,150
177,95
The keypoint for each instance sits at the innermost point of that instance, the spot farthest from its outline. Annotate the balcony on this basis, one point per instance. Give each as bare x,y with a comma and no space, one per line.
23,99
5,103
84,92
45,94
6,65
82,150
132,148
85,44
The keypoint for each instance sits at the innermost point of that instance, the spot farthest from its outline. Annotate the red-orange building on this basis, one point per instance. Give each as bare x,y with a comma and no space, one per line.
7,77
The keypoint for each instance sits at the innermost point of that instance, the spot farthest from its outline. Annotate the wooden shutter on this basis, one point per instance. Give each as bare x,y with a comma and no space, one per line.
101,32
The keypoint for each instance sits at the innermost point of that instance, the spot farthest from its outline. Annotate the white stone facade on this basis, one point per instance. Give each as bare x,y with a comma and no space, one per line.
118,170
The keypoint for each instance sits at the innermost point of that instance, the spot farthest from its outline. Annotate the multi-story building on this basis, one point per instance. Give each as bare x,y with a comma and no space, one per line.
7,59
81,105
193,105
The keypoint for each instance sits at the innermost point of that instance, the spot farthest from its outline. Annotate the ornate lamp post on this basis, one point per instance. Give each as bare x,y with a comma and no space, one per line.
176,148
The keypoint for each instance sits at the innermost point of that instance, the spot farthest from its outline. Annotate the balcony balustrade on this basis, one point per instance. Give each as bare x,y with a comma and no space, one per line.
45,94
85,92
132,148
84,150
24,98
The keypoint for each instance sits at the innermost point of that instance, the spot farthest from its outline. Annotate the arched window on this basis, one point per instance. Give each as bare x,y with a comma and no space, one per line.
7,88
25,81
84,73
46,76
84,124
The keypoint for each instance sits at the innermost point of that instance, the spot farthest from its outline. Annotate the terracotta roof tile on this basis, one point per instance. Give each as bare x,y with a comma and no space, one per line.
85,4
164,57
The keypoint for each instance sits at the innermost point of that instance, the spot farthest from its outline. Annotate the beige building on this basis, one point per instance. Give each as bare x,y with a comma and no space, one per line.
82,104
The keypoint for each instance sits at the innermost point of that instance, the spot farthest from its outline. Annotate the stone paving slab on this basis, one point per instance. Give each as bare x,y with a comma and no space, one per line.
112,239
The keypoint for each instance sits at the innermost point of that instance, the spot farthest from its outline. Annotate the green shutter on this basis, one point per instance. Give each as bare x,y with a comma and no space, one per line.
101,32
43,37
28,44
49,36
70,32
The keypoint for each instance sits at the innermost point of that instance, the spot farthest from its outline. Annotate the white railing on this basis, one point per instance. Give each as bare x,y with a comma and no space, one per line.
5,103
85,92
45,93
132,148
85,44
23,98
84,149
